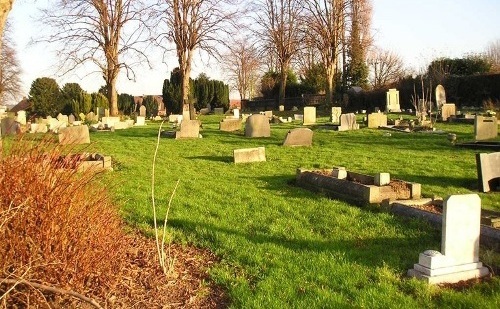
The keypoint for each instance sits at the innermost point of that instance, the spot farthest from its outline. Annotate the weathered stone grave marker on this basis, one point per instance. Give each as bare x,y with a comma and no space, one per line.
448,110
459,256
440,96
188,129
247,155
299,137
230,125
376,120
335,115
142,111
257,126
348,122
74,135
488,171
485,128
392,101
309,115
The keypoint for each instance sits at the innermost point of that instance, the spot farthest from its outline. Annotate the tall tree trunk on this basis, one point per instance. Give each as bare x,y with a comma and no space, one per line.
330,76
283,77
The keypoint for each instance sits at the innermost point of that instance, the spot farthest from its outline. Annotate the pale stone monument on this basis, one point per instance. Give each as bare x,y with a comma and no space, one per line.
140,121
71,119
257,126
188,129
392,101
376,120
282,108
21,117
174,118
448,110
106,112
142,111
249,155
440,96
236,113
230,125
268,114
348,122
459,256
309,115
488,171
299,117
74,135
299,137
485,128
110,121
335,116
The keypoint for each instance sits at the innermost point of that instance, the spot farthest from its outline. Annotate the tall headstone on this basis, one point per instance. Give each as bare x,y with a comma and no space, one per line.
142,111
392,101
21,117
459,256
335,116
309,115
440,96
257,126
485,128
236,113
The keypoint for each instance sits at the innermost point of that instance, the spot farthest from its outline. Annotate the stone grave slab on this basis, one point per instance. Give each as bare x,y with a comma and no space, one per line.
485,128
488,171
248,155
309,115
188,129
299,137
74,135
376,120
459,256
257,125
230,125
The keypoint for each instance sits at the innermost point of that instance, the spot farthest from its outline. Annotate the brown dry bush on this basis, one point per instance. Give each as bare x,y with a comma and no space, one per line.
57,226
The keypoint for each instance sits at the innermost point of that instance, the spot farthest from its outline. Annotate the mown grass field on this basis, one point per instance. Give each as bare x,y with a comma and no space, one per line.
285,247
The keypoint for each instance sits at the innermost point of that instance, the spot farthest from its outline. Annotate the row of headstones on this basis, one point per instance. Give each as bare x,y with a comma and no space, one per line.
392,99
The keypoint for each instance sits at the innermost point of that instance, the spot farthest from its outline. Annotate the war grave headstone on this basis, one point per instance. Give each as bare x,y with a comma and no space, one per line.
257,125
335,115
140,121
448,110
459,256
440,96
392,101
248,155
299,137
376,120
230,125
74,135
309,115
348,122
188,129
485,128
142,111
488,171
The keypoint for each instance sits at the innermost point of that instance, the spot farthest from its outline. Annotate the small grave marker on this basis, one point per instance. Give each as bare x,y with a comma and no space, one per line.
248,155
299,137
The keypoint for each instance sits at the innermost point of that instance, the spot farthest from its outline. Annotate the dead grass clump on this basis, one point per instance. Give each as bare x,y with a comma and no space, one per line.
57,226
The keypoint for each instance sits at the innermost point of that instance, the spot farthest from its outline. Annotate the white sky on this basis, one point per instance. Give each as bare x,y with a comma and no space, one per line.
418,30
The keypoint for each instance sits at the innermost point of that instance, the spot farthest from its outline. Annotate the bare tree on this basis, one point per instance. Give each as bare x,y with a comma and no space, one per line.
385,66
192,25
492,54
243,64
280,27
107,33
325,29
5,7
10,71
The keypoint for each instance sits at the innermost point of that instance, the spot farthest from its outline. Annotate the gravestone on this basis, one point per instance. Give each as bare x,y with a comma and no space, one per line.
106,112
142,111
447,110
110,121
376,120
268,114
38,128
257,126
282,108
82,116
299,137
335,116
485,128
21,117
91,117
140,121
74,135
230,125
309,115
298,117
488,171
218,111
459,256
55,125
188,129
247,155
348,122
392,101
440,96
63,119
71,118
175,118
9,126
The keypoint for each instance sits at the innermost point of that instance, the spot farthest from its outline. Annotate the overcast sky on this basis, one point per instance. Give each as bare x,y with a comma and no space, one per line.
418,30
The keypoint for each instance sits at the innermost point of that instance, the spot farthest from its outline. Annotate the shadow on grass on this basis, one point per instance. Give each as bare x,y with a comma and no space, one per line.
396,252
442,181
225,159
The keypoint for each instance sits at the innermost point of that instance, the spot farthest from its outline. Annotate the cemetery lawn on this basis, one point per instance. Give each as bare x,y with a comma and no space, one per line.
281,246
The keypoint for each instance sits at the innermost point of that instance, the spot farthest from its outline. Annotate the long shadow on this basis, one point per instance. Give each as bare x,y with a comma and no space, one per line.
225,159
442,181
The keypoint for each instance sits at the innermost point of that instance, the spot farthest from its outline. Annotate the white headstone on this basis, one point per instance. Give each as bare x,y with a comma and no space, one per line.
309,115
440,96
335,116
142,111
392,101
459,256
21,117
236,113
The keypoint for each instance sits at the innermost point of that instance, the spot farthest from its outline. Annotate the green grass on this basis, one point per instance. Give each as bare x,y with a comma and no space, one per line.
282,246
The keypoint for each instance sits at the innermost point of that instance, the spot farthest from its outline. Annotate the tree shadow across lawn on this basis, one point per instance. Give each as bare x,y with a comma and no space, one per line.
224,159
